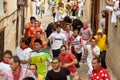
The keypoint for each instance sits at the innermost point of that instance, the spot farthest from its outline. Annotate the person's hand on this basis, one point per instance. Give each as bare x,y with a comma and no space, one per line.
23,61
1,74
65,65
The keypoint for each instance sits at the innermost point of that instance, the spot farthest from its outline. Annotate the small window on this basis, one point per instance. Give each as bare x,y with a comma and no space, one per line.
21,2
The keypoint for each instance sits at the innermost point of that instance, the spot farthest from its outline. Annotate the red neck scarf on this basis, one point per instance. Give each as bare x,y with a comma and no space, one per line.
4,61
85,27
16,76
24,47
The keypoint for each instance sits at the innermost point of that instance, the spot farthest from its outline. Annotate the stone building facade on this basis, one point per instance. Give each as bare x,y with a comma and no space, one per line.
8,20
12,20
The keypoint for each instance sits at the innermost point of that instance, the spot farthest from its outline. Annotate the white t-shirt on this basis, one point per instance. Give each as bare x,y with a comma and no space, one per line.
76,43
23,55
4,66
116,4
57,40
102,23
90,55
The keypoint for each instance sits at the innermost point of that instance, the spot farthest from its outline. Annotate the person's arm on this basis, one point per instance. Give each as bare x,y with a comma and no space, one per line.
71,63
96,53
110,3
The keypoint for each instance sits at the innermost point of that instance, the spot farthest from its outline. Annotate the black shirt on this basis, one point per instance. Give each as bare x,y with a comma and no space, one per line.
61,75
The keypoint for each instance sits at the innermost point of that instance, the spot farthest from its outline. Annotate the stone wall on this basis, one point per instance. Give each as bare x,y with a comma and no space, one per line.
8,22
113,53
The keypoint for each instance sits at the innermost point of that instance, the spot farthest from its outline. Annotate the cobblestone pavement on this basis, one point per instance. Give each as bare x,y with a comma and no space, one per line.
45,20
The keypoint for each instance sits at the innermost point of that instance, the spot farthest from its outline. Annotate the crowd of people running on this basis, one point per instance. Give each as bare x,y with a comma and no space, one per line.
69,39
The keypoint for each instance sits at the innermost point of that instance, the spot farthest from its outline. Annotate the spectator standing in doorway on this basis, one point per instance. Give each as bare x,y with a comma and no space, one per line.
102,44
114,6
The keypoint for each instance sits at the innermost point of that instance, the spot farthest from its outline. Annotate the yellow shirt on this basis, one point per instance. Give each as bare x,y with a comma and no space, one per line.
101,42
40,77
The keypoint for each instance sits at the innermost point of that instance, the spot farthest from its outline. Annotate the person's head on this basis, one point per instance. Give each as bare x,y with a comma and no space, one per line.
76,32
63,49
85,24
56,63
96,63
33,68
67,19
99,32
28,78
23,42
38,34
14,62
32,19
7,55
93,41
103,13
38,44
37,23
58,27
68,27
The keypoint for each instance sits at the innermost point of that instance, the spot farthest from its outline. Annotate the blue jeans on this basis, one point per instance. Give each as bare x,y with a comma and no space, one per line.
37,10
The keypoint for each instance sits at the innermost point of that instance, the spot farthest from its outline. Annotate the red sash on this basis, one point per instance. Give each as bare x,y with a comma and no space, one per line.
16,76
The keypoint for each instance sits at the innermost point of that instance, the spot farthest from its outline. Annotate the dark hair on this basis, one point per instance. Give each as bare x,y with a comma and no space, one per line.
76,30
50,28
63,46
38,41
8,52
56,58
67,19
32,18
97,59
16,59
77,24
28,78
93,38
24,40
34,65
58,25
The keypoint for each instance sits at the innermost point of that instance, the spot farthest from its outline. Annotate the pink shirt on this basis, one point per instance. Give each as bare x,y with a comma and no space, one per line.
68,58
68,34
86,33
8,75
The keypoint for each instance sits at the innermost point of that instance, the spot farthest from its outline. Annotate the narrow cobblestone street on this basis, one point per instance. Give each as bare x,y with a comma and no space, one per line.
45,20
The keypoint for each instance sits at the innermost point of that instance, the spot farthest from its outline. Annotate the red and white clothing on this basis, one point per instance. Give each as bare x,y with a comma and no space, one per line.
75,43
4,66
68,34
115,10
86,34
23,54
9,74
100,74
68,58
90,56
